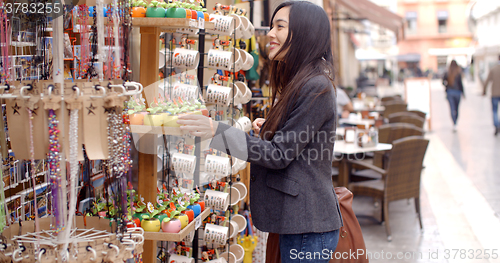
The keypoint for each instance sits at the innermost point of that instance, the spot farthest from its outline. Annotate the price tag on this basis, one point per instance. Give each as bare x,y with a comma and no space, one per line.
197,224
201,22
192,23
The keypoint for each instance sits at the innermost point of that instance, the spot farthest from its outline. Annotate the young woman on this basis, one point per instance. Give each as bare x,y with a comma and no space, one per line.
291,191
452,80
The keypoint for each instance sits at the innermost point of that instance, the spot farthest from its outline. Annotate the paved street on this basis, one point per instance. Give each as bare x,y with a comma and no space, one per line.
459,197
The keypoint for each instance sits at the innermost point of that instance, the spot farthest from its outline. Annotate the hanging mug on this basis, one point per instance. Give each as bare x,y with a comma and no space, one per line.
238,251
219,95
183,163
219,59
223,25
247,60
248,29
247,93
215,234
187,92
241,186
217,165
185,58
245,124
180,259
164,58
217,200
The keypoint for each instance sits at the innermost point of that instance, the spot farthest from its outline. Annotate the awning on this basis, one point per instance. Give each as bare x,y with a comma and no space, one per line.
376,14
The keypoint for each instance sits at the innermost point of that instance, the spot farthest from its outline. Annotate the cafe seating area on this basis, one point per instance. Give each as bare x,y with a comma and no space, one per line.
381,150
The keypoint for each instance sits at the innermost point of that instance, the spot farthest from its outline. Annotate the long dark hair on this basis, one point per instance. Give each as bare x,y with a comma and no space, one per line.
453,71
308,54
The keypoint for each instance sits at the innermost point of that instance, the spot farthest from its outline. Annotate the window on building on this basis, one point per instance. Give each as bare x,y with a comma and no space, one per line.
442,17
411,22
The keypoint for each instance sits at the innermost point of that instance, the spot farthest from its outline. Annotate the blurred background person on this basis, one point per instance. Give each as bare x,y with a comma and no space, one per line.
344,104
494,78
452,80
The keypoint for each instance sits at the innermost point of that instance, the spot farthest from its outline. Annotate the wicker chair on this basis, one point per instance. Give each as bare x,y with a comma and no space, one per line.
401,179
419,113
397,116
393,107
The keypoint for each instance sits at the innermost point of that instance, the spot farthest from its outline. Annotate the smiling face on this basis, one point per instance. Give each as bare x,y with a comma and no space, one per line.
279,33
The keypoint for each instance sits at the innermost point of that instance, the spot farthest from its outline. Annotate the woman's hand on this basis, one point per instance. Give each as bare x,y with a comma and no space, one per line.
257,124
198,125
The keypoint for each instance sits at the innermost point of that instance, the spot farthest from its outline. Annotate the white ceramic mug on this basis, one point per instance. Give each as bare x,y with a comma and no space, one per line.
183,163
238,30
219,95
185,58
215,234
247,94
238,251
223,25
219,59
242,188
217,165
217,200
247,60
187,92
249,31
230,257
233,229
162,58
234,196
180,259
245,124
241,221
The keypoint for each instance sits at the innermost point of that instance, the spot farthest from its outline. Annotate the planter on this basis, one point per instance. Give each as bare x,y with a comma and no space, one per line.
136,119
176,13
188,14
190,214
136,222
161,217
170,121
196,209
151,225
207,17
184,220
155,12
200,15
202,205
140,216
138,11
172,226
194,14
153,120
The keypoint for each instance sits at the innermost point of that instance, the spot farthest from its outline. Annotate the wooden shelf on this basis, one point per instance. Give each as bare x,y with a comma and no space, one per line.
145,129
163,23
176,237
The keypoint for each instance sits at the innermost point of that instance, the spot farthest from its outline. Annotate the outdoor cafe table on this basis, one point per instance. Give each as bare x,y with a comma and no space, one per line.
353,148
363,122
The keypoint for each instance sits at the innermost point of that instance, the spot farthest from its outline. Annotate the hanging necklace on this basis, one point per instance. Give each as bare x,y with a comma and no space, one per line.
54,167
32,157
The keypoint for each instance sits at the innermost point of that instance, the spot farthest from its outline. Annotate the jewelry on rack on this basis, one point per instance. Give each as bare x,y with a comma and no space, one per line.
32,158
55,168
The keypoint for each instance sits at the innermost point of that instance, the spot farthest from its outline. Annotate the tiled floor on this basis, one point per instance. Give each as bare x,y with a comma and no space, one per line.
459,198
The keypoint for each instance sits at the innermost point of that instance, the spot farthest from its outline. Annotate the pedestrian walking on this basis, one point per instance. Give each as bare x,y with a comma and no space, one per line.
494,78
452,80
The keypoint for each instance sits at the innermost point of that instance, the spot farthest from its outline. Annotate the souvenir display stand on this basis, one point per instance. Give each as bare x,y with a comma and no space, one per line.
85,122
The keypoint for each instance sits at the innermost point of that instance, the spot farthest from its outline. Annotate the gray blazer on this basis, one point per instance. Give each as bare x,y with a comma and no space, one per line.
291,190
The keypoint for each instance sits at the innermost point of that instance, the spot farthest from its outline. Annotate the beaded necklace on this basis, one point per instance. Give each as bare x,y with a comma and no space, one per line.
55,167
32,157
4,46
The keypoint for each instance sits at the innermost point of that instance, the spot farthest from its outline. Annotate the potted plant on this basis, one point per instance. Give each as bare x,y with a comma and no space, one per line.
175,11
153,119
140,210
99,207
135,112
195,206
138,8
155,9
171,224
150,223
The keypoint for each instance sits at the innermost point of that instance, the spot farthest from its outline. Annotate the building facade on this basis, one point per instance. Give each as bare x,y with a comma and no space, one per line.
436,32
486,24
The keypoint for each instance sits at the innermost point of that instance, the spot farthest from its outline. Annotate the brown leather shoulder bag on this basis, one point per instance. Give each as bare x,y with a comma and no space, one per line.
350,235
